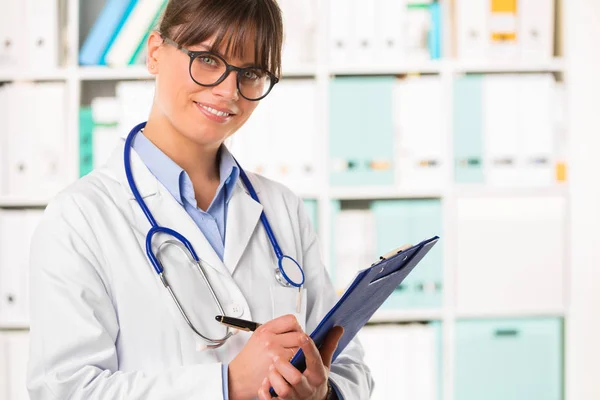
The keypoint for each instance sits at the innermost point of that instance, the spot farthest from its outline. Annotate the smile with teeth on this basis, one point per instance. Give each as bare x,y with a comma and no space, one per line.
215,112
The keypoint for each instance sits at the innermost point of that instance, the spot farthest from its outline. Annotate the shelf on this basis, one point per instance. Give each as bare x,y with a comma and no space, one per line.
406,315
108,73
14,327
465,190
367,193
22,202
523,313
407,68
7,75
475,66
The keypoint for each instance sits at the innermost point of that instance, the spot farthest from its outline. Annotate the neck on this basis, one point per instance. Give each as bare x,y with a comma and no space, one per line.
199,161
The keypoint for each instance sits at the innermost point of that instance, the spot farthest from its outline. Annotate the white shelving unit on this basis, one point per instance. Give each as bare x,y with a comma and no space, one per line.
322,73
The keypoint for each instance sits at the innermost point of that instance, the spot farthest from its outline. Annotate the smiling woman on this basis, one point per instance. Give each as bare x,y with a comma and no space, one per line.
132,263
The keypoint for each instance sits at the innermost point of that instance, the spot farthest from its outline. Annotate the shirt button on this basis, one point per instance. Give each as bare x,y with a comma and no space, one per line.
235,310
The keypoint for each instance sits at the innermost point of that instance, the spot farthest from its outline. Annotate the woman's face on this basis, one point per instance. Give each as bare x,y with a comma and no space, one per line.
196,111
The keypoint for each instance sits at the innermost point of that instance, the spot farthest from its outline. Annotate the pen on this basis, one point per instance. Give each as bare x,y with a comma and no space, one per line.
241,324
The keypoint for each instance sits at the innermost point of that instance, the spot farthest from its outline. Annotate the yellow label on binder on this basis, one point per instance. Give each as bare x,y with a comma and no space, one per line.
504,6
561,172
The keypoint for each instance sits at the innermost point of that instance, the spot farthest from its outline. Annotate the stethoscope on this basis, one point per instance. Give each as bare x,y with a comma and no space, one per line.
288,272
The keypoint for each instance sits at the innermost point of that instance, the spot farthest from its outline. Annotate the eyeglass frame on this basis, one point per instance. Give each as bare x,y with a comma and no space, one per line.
228,68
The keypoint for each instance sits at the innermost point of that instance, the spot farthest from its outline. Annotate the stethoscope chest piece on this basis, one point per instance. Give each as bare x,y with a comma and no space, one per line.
289,273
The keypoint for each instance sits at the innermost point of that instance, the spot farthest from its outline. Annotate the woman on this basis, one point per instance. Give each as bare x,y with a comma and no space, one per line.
103,324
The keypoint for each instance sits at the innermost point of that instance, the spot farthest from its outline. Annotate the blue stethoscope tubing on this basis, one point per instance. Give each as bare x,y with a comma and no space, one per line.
155,228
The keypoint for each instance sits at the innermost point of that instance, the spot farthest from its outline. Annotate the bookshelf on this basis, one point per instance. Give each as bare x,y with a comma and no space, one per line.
80,17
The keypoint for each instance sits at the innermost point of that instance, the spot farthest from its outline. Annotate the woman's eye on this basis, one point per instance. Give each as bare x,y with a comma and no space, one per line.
208,60
250,75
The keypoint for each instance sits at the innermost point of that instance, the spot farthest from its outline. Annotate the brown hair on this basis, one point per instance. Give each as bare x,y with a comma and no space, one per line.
231,22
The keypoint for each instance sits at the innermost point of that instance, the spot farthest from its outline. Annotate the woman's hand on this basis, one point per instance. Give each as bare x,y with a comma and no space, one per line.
291,384
278,338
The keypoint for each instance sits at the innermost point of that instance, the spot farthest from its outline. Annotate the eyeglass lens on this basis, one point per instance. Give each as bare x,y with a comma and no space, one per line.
207,69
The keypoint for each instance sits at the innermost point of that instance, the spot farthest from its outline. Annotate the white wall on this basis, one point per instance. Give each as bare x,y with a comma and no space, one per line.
582,48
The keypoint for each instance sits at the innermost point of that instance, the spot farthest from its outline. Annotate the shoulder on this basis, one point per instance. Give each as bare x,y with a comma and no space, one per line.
273,190
85,197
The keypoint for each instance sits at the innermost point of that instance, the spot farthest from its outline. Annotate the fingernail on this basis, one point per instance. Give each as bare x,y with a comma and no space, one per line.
264,381
271,367
276,358
306,339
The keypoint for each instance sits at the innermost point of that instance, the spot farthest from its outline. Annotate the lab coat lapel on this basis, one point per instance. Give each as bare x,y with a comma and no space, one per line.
166,210
243,214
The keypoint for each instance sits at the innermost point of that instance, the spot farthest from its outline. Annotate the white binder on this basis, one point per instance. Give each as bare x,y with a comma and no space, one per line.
341,18
12,37
50,166
501,130
537,125
364,39
42,34
20,137
471,28
14,355
16,229
536,29
389,32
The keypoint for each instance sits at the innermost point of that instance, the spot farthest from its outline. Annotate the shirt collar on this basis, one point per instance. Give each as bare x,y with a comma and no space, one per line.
175,179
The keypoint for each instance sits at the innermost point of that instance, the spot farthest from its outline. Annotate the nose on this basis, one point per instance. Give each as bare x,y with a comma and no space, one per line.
228,88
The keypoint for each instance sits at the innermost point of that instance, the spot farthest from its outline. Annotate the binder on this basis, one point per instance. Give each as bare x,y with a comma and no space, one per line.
140,53
536,29
417,31
364,38
365,295
468,126
43,34
132,32
390,21
14,348
341,13
104,31
537,130
503,26
12,40
471,29
501,129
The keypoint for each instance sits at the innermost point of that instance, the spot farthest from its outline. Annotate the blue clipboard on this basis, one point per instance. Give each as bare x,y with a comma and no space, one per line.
370,288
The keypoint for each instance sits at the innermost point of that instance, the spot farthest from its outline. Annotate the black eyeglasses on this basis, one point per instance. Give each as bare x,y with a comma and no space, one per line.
209,69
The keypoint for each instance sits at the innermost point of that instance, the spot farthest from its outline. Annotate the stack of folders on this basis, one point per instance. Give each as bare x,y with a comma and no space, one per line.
109,118
279,139
404,360
14,353
33,137
393,141
119,35
30,32
369,33
504,29
361,235
507,130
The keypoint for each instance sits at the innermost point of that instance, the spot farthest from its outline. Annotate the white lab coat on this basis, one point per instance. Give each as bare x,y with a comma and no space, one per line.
104,327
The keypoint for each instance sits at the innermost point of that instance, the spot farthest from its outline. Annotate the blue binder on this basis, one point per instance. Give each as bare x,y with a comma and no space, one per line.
370,288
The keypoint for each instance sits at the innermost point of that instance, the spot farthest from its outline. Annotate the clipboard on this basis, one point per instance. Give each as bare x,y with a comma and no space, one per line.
370,288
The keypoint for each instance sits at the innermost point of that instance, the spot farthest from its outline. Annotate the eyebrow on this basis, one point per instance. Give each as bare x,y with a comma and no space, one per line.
213,50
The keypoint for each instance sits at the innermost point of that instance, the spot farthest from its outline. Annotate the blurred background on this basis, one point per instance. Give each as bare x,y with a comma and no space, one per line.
396,120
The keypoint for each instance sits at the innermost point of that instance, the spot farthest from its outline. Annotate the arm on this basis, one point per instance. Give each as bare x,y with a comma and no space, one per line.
74,325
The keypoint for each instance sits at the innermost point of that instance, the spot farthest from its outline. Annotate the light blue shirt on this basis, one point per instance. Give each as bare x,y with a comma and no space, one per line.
211,222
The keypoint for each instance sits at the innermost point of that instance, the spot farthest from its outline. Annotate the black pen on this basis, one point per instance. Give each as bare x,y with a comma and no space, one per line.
241,324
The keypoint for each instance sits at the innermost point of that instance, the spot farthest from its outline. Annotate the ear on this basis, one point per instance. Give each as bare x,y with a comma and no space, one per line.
155,42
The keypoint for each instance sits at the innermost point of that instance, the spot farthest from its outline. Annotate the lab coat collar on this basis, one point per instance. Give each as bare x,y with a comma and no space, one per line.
242,215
